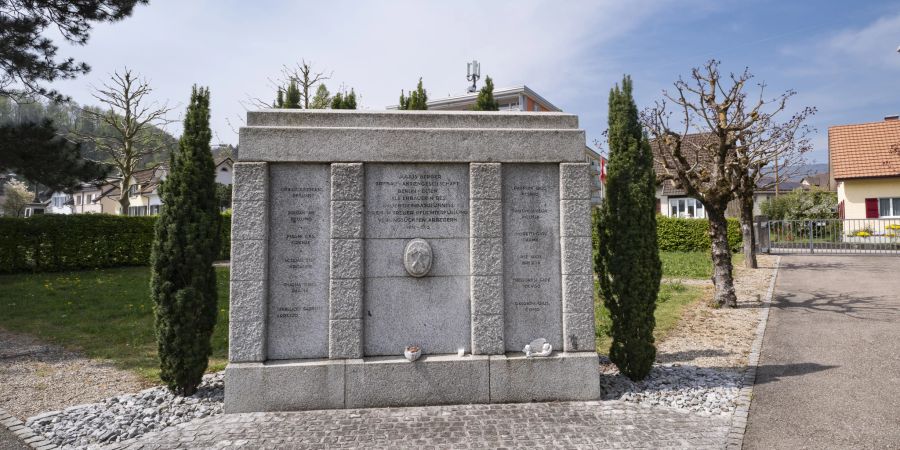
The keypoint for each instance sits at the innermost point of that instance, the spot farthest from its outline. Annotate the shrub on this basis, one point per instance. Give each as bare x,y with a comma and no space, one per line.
52,243
692,235
801,205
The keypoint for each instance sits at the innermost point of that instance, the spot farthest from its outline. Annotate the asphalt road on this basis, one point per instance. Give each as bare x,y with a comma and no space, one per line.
829,373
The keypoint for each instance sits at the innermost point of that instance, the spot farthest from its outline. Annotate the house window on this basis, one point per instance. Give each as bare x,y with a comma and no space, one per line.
889,207
59,201
224,169
77,199
137,210
154,210
132,191
687,208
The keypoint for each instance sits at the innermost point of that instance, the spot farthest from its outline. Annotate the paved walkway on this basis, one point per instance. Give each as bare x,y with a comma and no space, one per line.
9,441
829,374
599,424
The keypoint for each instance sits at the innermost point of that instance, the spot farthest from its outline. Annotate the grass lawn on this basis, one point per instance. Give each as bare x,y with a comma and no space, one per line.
691,264
670,303
107,314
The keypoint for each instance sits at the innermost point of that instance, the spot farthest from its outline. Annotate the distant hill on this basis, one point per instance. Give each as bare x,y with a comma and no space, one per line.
810,169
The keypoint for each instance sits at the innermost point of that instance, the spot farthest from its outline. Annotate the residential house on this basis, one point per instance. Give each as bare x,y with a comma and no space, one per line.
818,180
523,98
673,201
864,161
224,169
143,193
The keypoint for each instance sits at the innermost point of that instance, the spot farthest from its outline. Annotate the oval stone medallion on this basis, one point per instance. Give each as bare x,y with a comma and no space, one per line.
417,257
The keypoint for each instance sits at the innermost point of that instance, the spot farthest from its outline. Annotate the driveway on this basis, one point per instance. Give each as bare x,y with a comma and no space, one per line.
829,370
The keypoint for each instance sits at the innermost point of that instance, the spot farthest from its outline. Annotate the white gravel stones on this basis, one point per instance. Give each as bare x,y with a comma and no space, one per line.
697,389
127,416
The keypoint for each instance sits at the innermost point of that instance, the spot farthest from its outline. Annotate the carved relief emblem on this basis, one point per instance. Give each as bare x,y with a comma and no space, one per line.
417,257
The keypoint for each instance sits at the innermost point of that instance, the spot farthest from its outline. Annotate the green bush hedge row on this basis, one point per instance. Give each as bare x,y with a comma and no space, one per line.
691,235
49,243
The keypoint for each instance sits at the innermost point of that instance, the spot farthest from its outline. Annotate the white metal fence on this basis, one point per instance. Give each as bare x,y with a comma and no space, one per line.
830,236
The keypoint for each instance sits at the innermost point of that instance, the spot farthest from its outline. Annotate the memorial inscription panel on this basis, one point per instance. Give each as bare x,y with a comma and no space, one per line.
531,253
298,261
406,202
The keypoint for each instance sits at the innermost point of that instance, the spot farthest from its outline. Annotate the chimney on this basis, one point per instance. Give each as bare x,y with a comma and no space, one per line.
894,117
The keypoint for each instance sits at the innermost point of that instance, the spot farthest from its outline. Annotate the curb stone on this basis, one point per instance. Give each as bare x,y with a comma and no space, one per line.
735,438
27,435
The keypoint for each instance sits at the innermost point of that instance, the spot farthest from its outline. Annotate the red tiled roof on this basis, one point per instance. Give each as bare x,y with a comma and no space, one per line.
865,150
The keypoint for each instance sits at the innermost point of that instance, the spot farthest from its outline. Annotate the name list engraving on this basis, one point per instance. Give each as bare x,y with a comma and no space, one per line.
298,261
531,252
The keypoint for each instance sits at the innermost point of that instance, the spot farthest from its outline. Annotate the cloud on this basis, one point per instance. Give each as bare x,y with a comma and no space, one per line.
378,48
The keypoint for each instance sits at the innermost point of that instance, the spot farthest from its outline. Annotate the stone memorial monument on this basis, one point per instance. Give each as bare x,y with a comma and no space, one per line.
360,237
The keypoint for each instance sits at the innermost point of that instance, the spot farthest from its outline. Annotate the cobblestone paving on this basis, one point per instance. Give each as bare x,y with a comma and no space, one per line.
598,424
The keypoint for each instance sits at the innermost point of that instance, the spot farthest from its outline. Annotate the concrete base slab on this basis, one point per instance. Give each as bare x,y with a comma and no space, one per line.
393,381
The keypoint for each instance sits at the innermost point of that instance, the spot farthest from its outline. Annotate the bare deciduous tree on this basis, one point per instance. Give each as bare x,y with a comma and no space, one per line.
768,154
132,115
306,78
704,167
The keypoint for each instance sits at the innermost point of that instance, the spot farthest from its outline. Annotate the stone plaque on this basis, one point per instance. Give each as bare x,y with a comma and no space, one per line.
531,255
298,261
407,303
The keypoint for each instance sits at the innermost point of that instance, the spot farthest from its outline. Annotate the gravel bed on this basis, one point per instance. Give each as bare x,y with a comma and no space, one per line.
36,376
127,416
701,390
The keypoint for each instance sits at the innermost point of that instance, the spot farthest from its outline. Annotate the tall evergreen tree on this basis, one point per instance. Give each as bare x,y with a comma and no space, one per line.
485,101
344,100
292,96
279,99
183,281
417,100
627,260
322,98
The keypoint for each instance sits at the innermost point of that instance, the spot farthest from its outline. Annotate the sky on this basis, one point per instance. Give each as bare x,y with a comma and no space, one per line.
840,57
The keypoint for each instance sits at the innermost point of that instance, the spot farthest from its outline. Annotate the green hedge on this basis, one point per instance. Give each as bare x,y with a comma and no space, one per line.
691,235
48,243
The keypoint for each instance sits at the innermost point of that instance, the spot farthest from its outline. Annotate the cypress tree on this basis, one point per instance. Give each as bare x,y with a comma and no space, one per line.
485,101
292,96
186,241
418,99
627,260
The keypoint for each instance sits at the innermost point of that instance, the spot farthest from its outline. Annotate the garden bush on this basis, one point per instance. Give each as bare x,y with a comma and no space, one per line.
50,243
691,235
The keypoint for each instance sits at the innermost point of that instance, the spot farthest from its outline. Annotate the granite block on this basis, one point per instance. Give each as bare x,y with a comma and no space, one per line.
431,312
575,181
248,260
486,218
347,181
578,293
288,386
345,338
337,144
578,332
409,119
384,257
575,218
486,256
431,380
247,301
347,219
485,179
487,334
406,201
559,377
346,299
250,181
577,256
487,295
246,341
249,220
346,258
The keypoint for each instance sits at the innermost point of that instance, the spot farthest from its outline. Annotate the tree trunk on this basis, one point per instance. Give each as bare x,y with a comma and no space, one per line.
721,257
124,201
749,237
